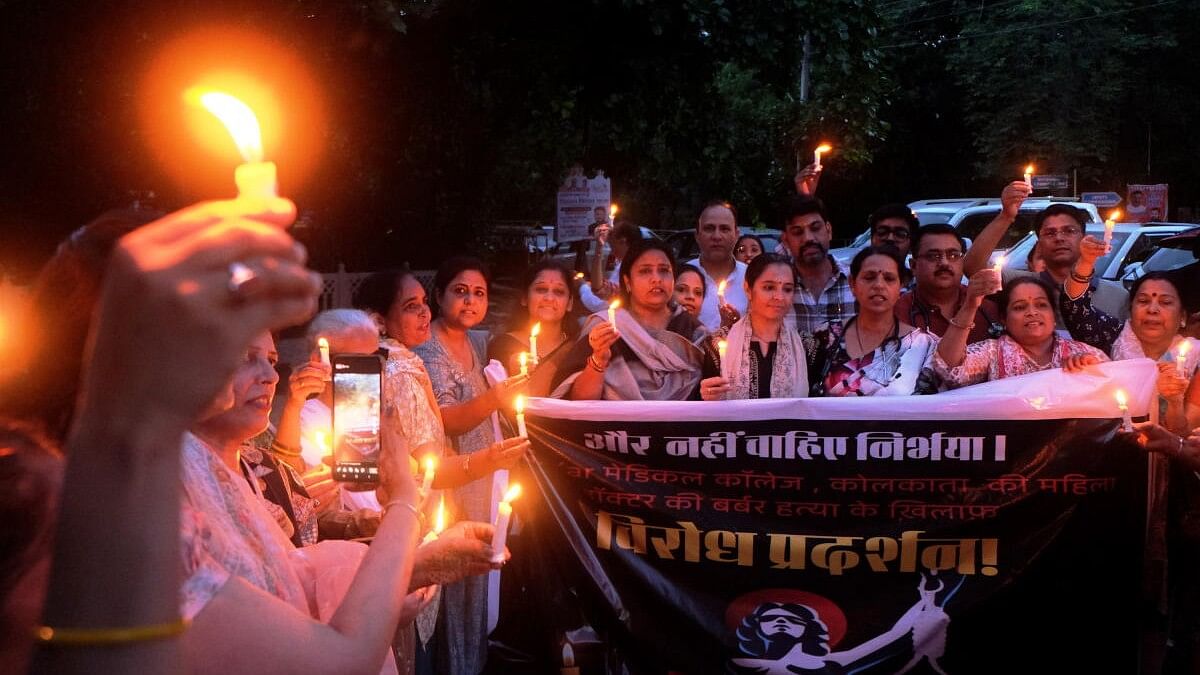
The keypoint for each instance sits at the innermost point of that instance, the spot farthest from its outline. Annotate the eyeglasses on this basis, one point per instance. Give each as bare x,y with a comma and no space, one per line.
895,233
1052,232
949,255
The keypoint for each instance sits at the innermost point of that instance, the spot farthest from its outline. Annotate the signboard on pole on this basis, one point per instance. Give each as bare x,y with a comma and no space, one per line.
578,196
1052,181
1146,203
1104,200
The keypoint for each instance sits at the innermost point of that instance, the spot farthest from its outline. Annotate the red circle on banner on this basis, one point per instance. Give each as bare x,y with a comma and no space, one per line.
826,610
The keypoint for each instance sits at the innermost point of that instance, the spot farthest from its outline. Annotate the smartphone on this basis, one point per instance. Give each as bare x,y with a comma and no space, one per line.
357,390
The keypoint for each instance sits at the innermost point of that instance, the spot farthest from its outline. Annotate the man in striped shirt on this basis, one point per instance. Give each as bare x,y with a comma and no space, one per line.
823,286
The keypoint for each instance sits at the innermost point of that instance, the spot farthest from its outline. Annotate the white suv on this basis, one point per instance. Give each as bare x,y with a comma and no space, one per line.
970,216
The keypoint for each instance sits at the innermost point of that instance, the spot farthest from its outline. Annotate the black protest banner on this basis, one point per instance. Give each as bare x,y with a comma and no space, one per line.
996,529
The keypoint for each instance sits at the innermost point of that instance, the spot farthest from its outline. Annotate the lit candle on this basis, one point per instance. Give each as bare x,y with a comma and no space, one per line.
323,347
1181,357
1029,175
821,149
503,515
255,178
721,347
439,522
523,359
612,213
568,661
312,456
1109,224
533,351
998,268
579,276
427,479
1123,404
721,291
612,313
519,406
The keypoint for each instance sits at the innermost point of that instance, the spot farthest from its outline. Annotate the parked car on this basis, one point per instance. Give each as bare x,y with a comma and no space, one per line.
684,247
1172,252
970,216
1132,243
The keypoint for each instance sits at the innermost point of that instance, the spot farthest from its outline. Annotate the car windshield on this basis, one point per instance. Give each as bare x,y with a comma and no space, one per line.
1168,259
970,227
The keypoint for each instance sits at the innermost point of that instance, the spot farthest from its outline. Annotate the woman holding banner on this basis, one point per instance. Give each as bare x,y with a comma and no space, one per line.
764,355
1029,343
648,350
1156,315
876,354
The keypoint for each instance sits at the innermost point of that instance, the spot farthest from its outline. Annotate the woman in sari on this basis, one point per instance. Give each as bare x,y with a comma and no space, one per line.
1156,316
1029,343
764,355
875,354
652,353
549,300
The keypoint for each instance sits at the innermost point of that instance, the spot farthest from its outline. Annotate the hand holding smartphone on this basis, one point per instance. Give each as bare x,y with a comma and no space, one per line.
357,393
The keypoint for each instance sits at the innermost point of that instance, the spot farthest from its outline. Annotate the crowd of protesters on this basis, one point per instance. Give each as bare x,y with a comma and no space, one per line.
165,520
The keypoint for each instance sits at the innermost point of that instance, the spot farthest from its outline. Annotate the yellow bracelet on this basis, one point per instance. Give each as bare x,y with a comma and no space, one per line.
104,637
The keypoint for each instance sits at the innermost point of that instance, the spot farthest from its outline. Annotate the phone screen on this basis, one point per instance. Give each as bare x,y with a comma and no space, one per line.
357,388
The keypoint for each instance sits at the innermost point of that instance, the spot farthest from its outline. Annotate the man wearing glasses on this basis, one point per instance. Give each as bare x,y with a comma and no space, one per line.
893,224
938,294
1059,229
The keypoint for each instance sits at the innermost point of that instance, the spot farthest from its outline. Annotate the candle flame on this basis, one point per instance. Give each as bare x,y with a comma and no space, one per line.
537,328
1000,263
514,491
1122,400
579,275
519,406
612,211
721,347
523,358
1028,169
238,119
1113,215
439,520
430,463
823,148
322,343
721,287
321,441
614,304
1184,347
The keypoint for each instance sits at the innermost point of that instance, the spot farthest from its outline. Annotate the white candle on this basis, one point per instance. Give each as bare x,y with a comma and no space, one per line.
721,347
439,522
821,149
503,515
1123,404
254,178
998,268
721,291
533,350
1029,176
520,409
612,313
1181,357
427,479
323,347
523,359
612,213
1109,225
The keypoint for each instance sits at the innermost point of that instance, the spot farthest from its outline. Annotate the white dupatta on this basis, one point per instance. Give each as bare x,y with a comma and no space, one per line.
789,373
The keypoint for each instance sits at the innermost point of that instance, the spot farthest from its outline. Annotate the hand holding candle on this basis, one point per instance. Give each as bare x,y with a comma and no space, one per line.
519,407
523,359
533,350
439,522
503,516
1123,404
820,150
254,178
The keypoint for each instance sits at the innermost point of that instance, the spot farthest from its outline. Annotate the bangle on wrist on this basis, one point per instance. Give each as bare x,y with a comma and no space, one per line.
595,365
954,322
406,504
1076,276
102,637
